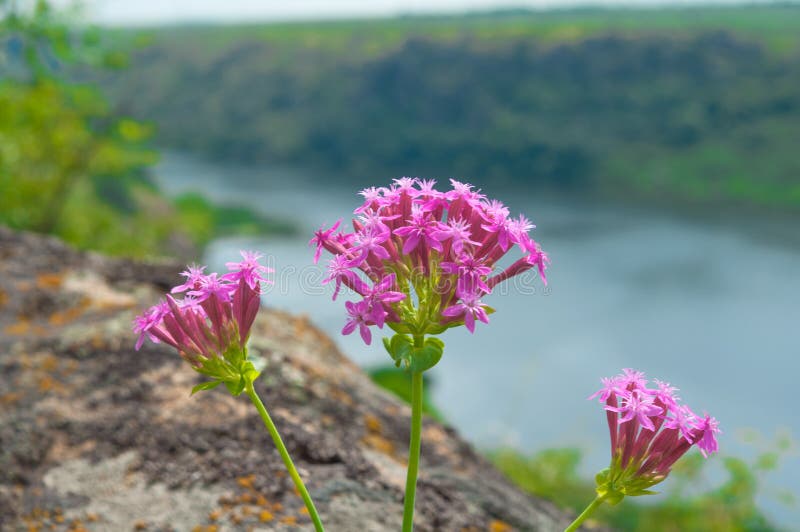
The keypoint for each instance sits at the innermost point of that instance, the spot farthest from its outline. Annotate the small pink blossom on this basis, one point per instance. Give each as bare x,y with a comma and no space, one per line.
649,429
469,308
215,316
194,276
322,237
358,315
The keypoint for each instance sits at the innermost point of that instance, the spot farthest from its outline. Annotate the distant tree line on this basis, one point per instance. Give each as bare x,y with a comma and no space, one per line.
705,117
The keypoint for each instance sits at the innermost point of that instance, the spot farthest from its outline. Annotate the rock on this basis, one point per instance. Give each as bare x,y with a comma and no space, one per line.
97,436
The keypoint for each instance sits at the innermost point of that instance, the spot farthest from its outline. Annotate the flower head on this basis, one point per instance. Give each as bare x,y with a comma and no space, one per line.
422,259
210,326
649,431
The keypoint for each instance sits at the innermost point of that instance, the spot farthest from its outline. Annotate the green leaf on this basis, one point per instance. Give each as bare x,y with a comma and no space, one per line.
427,356
602,477
399,348
249,372
639,493
436,328
236,388
208,385
400,328
388,345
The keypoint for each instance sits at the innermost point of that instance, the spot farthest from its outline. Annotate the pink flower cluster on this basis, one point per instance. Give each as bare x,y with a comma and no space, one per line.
413,242
213,317
649,429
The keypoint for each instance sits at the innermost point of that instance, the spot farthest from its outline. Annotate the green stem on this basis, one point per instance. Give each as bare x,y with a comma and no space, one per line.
585,514
414,445
273,431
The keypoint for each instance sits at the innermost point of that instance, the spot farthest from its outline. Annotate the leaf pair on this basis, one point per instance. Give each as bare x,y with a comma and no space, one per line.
414,358
247,374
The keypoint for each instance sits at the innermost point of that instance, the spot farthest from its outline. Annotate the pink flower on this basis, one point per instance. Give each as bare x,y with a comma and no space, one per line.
369,241
706,431
214,319
637,405
458,232
421,258
469,308
649,432
421,229
470,273
194,276
145,324
249,269
321,238
340,270
358,315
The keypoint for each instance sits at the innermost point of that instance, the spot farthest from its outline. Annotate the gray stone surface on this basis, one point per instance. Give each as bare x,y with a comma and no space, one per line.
96,436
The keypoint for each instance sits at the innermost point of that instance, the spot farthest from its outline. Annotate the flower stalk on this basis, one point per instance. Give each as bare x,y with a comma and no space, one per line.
414,445
287,460
587,512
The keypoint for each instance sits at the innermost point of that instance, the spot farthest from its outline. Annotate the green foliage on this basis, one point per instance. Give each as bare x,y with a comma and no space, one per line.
203,220
696,105
730,507
69,165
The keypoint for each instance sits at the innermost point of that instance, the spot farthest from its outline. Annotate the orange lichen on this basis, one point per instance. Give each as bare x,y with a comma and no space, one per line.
62,317
372,423
215,515
246,482
499,526
48,362
47,384
10,398
341,396
265,516
289,520
49,280
18,329
379,443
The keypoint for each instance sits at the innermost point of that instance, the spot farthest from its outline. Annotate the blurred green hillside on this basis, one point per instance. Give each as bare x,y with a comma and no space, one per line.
692,106
70,165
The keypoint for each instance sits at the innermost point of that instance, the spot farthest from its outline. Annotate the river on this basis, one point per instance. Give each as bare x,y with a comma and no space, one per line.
713,308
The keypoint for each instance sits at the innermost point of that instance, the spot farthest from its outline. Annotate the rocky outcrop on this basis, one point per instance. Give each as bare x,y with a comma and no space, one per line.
97,436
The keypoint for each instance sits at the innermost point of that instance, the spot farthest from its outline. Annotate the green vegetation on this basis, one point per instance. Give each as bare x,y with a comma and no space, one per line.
203,220
692,106
69,166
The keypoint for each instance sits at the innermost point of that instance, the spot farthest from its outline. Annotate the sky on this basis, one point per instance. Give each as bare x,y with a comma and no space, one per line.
124,12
